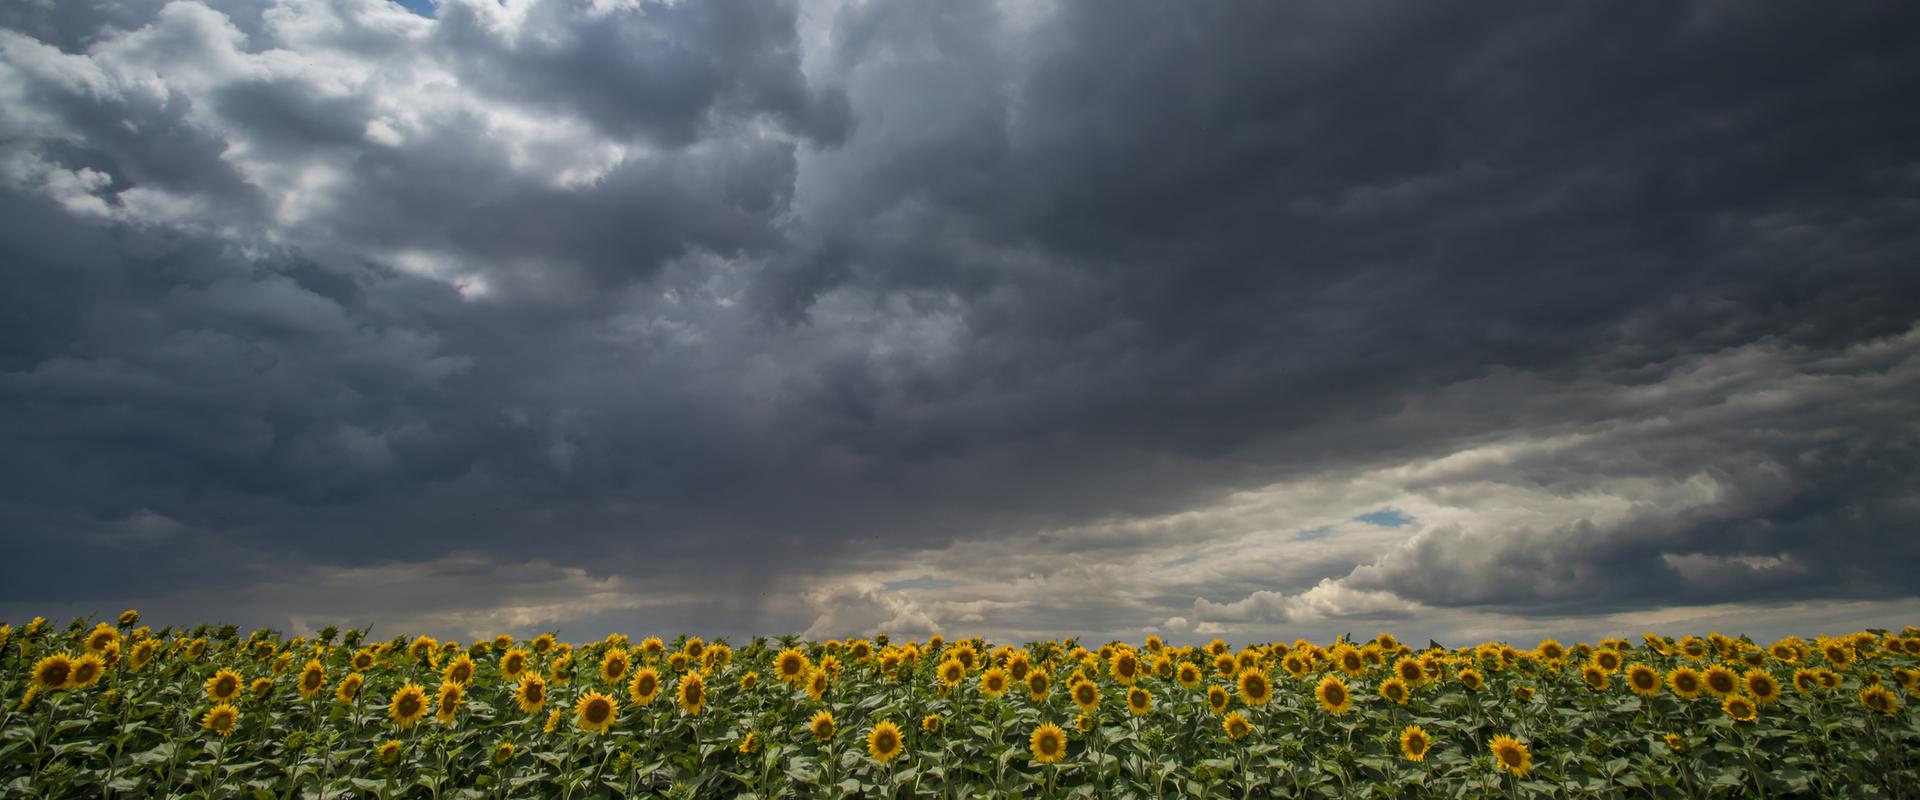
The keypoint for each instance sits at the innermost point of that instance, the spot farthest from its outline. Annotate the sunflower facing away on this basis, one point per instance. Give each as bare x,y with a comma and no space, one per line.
595,712
1048,743
1333,695
1509,754
1414,743
408,706
884,742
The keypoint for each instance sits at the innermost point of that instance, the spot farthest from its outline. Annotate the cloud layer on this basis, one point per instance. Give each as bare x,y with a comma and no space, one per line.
1020,318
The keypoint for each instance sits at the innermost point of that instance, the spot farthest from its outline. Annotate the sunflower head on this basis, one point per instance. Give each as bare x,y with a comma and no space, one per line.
390,752
1879,700
1037,685
102,637
951,672
1086,695
1721,681
613,665
595,712
1217,698
1761,686
1410,671
313,678
1510,755
1607,659
1595,677
408,706
513,663
1414,743
1126,667
221,719
1685,682
1740,707
885,742
644,686
1236,726
55,671
1255,688
930,723
818,682
1048,743
822,725
1333,695
993,682
1139,701
1187,674
749,743
1471,679
1395,690
349,688
692,693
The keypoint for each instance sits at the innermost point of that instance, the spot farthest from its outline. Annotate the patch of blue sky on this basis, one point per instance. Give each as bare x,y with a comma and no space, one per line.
422,7
1385,518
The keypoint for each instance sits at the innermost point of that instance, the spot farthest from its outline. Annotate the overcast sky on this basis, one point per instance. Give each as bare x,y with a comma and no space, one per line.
1258,319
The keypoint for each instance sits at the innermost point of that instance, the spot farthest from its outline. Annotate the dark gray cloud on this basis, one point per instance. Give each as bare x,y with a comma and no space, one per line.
727,304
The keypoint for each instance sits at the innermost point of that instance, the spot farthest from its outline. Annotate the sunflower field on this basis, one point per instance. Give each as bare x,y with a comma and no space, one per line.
115,709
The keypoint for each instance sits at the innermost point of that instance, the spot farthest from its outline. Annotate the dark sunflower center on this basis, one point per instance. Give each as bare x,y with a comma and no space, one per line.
409,705
1049,744
225,686
885,742
646,685
1510,756
597,711
1336,695
695,693
55,674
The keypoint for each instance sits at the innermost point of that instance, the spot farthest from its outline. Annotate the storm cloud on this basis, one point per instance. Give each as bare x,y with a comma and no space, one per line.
1020,318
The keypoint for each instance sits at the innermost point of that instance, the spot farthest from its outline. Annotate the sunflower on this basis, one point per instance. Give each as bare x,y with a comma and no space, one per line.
349,688
86,671
692,693
951,672
1879,700
363,660
749,743
1411,671
1722,681
1595,677
1674,742
553,721
821,725
884,742
1685,682
1125,667
930,723
1395,690
1805,680
1837,653
1048,743
1084,722
1550,650
261,687
1187,674
221,719
1236,726
1349,660
313,679
225,685
1086,695
1607,659
1509,754
102,637
678,662
1762,686
1414,743
613,666
1037,685
1828,678
408,706
1334,695
513,663
1740,707
644,686
1523,693
1643,680
447,702
422,649
993,682
196,648
389,753
1255,688
1139,701
818,682
1472,679
1217,698
595,712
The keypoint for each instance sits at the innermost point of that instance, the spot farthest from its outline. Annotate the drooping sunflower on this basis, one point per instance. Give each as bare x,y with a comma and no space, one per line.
1740,707
221,719
993,682
1762,686
595,712
1414,743
1879,700
225,685
1048,743
1255,688
349,688
87,670
1721,681
644,686
692,693
1037,684
447,705
1395,690
1236,726
1685,682
1139,701
313,679
1334,695
1086,695
613,666
1509,754
408,706
821,725
884,742
1217,698
750,743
